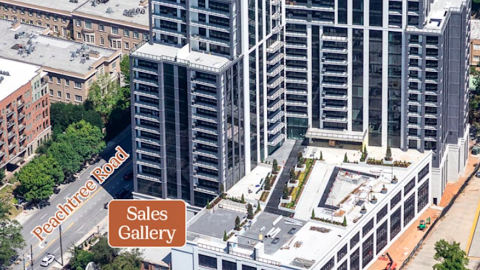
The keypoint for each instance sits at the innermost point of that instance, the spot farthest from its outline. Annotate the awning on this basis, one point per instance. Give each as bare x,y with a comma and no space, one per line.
316,133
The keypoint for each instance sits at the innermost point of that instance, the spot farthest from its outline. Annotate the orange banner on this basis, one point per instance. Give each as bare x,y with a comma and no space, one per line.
147,223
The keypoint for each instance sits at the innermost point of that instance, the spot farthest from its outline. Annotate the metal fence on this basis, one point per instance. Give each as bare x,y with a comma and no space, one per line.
442,214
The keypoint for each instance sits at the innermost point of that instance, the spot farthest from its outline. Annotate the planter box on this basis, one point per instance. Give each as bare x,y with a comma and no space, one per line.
297,169
286,209
386,162
384,191
289,199
289,185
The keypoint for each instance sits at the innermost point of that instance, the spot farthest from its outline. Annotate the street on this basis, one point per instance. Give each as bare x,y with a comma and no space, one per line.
83,219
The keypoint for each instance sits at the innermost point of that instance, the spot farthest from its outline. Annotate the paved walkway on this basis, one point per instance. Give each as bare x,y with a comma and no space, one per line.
455,226
272,206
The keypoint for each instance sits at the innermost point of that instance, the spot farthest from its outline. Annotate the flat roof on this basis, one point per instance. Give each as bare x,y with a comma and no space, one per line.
116,10
475,29
50,52
63,5
194,59
20,74
437,15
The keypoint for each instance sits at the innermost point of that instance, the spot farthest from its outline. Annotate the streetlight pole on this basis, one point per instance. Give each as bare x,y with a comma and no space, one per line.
31,254
61,246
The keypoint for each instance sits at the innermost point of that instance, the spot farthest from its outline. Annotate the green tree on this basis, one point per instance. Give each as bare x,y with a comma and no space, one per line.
242,200
36,181
104,96
293,175
275,166
103,254
129,260
225,237
313,213
321,155
344,223
64,114
285,192
450,255
237,223
65,154
88,139
345,158
11,237
125,68
388,154
80,259
267,183
2,174
258,207
299,156
249,211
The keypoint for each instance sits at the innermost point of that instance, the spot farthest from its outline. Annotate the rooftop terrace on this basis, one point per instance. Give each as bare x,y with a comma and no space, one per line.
62,5
438,12
27,44
193,59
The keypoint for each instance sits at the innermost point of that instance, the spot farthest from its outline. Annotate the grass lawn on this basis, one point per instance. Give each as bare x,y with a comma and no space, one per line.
6,195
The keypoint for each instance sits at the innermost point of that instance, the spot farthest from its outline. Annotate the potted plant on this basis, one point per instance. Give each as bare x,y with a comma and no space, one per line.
394,179
384,190
364,210
374,199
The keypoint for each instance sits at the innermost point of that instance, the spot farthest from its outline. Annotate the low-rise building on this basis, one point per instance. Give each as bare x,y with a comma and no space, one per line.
475,42
72,67
358,212
24,108
120,24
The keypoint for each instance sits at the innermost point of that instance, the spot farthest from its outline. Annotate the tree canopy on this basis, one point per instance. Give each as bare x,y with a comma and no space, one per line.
126,261
81,259
64,114
105,95
10,236
125,68
450,255
103,254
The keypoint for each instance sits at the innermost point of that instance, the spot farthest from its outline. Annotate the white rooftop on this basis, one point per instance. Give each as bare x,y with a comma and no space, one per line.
48,51
63,5
475,29
116,9
194,59
436,17
20,74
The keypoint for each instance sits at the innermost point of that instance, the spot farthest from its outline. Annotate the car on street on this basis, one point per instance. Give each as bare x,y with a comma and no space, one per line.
123,194
47,260
128,176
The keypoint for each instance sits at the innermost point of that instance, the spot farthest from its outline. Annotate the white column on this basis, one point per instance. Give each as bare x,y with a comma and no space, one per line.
309,75
350,72
246,85
384,88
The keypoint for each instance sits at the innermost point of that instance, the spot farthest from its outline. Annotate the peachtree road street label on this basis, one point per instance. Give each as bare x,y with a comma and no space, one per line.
147,223
74,202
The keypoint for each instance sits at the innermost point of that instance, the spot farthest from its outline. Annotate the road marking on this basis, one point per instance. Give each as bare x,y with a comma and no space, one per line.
84,202
56,250
66,196
43,216
81,227
472,231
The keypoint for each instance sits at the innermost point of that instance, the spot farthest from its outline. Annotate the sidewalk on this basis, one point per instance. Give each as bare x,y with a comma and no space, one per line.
25,215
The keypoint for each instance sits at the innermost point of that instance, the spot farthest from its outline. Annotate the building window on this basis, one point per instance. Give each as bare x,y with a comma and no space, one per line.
247,267
395,200
50,79
78,85
79,35
114,65
409,186
355,260
101,27
78,23
67,83
395,223
115,30
88,24
59,81
116,44
51,92
422,196
126,33
228,265
55,18
367,251
382,238
423,172
476,46
382,213
59,94
89,38
90,82
145,36
329,265
354,240
127,45
342,252
409,210
102,41
476,58
135,34
78,98
367,228
207,261
68,96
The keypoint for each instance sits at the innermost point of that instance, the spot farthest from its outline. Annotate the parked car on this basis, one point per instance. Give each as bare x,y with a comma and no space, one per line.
47,260
123,194
128,175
